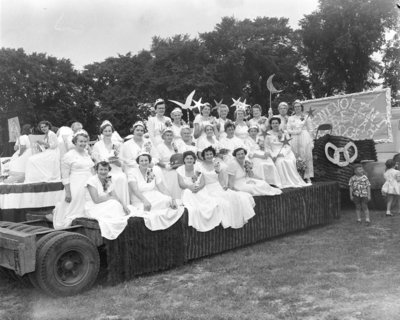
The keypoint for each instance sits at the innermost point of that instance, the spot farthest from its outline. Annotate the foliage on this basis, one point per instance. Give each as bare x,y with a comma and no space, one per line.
339,39
391,60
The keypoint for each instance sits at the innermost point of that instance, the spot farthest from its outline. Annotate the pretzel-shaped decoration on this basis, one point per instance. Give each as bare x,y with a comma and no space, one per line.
337,151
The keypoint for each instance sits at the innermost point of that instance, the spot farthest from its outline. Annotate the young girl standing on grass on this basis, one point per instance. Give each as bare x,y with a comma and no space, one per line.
391,188
360,192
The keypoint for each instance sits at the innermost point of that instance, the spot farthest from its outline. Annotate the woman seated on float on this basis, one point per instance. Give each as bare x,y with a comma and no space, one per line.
258,120
208,139
76,169
223,111
202,119
241,176
282,155
107,150
105,205
151,199
45,165
166,150
177,124
230,142
203,211
237,207
156,124
19,159
263,165
241,124
186,143
131,149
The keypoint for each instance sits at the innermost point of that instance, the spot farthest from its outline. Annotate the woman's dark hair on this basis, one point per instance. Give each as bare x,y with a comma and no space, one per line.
189,153
103,164
26,129
75,137
237,150
143,155
47,123
390,163
210,148
275,118
301,105
229,124
105,126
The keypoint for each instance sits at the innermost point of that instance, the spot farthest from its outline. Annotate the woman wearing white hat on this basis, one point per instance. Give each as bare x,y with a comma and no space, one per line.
156,125
107,150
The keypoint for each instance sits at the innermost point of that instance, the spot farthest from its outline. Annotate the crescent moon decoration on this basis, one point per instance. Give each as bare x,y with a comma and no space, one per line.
272,90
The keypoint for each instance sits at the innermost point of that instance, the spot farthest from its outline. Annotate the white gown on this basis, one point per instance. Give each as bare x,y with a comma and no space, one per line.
203,211
302,142
18,162
230,144
203,143
286,165
76,170
237,207
221,122
109,214
155,127
101,153
44,166
183,147
201,121
242,131
130,150
177,132
264,169
170,177
255,187
161,216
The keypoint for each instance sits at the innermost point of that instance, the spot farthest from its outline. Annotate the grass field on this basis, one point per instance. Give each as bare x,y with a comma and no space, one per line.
343,271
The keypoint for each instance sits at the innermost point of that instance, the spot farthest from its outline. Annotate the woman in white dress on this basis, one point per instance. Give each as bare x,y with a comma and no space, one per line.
19,159
263,165
204,118
186,143
230,142
223,111
241,177
151,199
258,120
165,151
156,125
131,149
237,207
300,128
241,130
207,140
104,205
107,150
203,211
44,166
282,155
76,167
177,124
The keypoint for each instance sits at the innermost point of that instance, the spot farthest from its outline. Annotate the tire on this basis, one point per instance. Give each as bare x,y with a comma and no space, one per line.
68,264
33,276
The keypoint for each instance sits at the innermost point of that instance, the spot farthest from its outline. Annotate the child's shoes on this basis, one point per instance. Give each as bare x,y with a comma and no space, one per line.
367,223
389,214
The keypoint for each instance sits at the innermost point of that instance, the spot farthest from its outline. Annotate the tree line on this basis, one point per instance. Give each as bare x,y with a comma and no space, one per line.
331,52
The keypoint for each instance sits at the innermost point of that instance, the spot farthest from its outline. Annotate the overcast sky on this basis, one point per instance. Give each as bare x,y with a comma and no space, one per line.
87,31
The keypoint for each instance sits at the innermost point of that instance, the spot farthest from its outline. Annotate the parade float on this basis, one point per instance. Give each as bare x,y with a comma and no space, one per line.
66,262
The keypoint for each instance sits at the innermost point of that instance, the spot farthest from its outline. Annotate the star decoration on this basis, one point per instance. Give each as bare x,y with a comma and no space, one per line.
310,112
285,141
236,103
217,104
197,104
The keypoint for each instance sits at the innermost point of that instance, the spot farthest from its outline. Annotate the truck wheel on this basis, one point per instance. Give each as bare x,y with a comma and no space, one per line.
39,245
67,264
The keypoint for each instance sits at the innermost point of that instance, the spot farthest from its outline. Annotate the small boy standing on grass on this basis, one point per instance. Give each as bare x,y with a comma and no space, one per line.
360,192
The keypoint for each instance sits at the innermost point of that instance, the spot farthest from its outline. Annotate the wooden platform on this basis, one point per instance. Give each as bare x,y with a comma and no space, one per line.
138,250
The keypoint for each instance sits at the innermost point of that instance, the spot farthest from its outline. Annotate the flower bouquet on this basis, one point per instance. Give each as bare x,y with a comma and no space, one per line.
301,167
248,168
150,176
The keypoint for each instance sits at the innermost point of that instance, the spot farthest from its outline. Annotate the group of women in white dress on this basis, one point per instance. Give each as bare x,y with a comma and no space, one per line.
213,169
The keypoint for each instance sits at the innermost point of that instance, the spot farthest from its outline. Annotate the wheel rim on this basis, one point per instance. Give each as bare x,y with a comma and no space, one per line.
71,268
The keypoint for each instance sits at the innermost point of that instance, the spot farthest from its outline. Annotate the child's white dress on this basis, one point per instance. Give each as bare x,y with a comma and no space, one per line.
391,185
